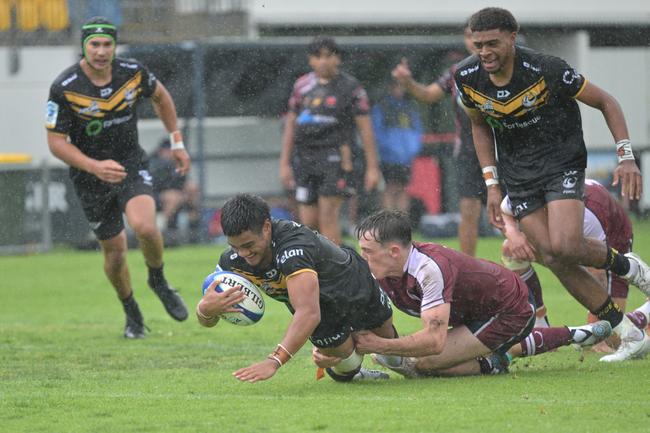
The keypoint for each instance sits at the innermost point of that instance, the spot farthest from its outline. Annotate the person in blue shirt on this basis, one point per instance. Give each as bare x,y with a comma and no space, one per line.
398,128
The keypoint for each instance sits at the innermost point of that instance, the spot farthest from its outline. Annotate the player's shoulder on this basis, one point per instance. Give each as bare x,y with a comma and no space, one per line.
68,76
537,61
286,232
127,64
347,78
305,80
467,68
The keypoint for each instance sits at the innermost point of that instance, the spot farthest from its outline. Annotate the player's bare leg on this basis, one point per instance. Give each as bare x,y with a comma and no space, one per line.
141,215
470,214
308,215
329,211
117,271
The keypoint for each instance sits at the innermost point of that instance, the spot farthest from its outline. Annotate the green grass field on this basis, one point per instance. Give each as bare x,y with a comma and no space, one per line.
64,366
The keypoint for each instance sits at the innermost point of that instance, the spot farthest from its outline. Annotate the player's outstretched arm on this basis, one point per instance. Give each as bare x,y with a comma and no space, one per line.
430,340
304,292
429,94
626,173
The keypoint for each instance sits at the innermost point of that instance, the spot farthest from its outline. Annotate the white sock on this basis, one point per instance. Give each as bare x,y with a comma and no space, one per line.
634,269
627,331
348,364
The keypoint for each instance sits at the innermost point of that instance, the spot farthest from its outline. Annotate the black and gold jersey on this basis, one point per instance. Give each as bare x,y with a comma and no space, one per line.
297,248
101,121
326,111
535,117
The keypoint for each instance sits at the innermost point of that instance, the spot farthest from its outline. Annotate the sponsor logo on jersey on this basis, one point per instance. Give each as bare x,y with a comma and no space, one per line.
271,274
327,341
51,114
69,80
569,182
468,71
129,65
330,101
502,94
146,177
287,254
569,76
521,125
531,67
105,92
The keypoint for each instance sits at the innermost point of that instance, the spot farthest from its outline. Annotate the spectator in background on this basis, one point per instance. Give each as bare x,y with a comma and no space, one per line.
174,193
398,128
471,187
326,107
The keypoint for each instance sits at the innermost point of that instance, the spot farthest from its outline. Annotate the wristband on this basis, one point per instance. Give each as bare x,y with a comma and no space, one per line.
490,175
624,150
281,355
176,140
276,359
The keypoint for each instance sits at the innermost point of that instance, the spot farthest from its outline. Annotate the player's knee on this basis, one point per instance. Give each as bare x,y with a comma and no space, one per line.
565,249
114,258
145,229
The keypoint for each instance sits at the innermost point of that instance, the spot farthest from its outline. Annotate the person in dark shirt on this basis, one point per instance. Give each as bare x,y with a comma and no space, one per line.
328,289
468,171
326,109
525,101
91,126
174,193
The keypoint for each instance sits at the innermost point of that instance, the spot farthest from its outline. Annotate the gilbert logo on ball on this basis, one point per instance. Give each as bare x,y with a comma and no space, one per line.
252,307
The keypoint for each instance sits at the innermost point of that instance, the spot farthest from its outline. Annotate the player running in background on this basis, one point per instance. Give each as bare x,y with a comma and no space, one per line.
328,289
525,101
471,187
489,308
91,126
326,107
605,220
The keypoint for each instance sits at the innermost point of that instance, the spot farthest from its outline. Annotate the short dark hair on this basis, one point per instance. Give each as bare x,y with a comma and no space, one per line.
493,18
323,42
244,212
385,226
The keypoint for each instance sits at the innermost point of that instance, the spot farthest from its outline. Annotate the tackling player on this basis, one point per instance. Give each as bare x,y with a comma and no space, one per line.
91,126
328,289
525,101
489,308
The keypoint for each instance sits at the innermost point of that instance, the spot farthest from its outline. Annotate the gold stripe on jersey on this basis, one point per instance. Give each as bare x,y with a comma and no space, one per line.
533,96
271,287
82,103
300,271
584,84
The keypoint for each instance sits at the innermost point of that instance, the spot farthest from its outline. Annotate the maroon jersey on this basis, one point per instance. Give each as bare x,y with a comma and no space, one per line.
611,215
476,289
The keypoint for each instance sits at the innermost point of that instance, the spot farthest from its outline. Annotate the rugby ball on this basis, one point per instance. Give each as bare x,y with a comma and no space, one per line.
252,307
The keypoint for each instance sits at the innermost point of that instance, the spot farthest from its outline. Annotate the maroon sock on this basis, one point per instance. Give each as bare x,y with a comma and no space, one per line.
532,281
638,318
542,340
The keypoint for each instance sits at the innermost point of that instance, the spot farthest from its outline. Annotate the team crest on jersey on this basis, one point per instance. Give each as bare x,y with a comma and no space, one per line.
529,100
487,106
129,96
93,108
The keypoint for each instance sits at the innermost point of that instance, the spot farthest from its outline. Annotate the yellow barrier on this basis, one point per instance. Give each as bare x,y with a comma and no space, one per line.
52,15
15,158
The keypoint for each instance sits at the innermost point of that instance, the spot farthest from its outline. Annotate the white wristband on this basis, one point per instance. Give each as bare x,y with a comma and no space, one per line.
176,140
490,175
624,151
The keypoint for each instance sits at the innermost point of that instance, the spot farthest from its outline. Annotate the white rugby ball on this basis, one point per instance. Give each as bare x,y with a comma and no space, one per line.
252,307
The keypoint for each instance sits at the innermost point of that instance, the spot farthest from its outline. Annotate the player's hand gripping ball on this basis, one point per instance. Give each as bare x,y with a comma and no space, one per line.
252,307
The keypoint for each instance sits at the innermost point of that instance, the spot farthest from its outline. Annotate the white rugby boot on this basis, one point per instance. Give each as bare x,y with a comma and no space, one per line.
366,374
640,278
632,342
406,368
590,334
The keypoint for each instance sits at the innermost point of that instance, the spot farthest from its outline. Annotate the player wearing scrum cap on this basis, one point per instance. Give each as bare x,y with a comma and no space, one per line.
91,126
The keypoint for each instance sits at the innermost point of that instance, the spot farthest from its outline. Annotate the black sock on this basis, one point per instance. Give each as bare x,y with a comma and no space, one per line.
128,299
156,276
617,262
345,377
609,311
